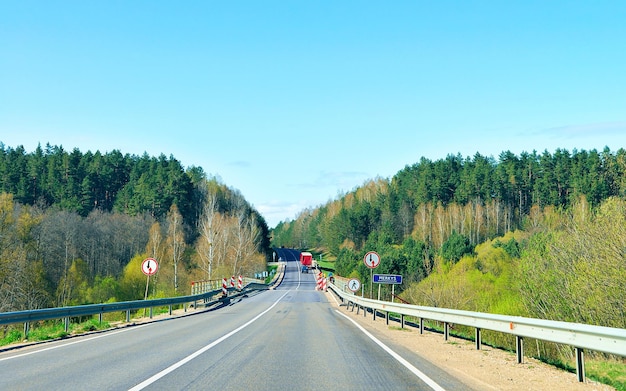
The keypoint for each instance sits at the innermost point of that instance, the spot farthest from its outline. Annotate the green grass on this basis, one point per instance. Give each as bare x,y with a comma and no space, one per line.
47,332
90,325
611,372
52,330
12,336
398,328
271,271
327,265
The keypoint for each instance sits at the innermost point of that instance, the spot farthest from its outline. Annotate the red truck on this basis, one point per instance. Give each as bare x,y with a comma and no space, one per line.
306,260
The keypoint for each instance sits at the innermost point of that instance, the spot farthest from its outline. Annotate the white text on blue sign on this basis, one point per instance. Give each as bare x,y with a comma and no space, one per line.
387,279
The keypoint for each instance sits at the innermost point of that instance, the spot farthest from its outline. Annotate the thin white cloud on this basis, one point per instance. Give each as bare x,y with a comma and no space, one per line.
322,186
276,211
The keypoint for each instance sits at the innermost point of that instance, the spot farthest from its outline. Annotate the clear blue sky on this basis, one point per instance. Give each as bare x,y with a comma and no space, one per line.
295,102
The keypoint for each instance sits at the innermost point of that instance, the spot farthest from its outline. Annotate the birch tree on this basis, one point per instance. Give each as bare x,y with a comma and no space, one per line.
245,239
155,248
209,230
175,241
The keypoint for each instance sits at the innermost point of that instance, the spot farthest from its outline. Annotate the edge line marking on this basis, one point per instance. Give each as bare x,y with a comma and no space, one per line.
187,359
430,382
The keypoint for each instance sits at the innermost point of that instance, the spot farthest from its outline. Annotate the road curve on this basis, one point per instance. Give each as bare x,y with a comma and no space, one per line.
289,338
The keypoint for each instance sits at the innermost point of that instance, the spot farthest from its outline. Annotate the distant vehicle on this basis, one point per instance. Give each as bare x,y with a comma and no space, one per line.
306,260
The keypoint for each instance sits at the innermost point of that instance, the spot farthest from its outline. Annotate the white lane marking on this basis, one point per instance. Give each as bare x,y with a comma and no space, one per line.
185,360
399,358
299,276
107,334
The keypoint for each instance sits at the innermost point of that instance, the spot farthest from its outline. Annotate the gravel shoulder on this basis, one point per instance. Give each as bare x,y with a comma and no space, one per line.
487,369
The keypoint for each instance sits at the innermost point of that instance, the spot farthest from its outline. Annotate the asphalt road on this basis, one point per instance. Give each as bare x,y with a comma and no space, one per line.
284,339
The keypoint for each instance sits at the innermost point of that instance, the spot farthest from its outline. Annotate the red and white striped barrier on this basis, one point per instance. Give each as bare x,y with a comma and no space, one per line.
240,283
320,282
324,285
232,281
224,287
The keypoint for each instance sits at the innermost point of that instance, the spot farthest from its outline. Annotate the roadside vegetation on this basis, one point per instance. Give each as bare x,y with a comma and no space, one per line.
271,272
49,330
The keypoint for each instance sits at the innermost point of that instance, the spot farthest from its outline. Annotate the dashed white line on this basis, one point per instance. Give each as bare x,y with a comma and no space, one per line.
187,359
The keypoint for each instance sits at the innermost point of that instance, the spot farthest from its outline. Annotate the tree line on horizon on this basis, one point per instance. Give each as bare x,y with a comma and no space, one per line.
518,235
74,227
478,197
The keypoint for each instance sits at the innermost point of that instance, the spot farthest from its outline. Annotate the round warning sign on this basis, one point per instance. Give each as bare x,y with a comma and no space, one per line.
354,284
372,259
149,266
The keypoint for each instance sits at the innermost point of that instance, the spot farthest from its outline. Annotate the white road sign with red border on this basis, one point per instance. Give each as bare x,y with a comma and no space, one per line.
149,266
372,259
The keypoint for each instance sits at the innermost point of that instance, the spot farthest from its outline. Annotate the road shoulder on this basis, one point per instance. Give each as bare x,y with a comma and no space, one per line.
487,369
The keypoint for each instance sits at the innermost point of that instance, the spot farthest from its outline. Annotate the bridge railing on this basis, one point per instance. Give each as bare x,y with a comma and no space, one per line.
580,336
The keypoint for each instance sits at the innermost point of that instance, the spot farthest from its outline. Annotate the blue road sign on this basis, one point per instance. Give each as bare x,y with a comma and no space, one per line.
387,279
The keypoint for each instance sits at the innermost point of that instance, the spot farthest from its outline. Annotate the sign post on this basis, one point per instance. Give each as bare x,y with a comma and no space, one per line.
149,266
392,279
371,260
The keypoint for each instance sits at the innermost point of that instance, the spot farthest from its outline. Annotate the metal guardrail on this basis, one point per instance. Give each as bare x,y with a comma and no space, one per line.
207,298
580,336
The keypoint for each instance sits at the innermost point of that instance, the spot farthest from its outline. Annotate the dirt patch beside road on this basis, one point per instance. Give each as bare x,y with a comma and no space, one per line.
485,369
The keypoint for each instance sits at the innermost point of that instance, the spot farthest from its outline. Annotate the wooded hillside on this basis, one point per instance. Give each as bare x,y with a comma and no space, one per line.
74,227
479,197
536,234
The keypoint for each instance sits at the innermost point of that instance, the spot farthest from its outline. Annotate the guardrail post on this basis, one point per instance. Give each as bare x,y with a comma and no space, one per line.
358,308
421,325
446,330
100,318
478,338
127,316
26,327
170,310
402,321
387,317
364,311
374,312
519,344
580,364
150,312
67,324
